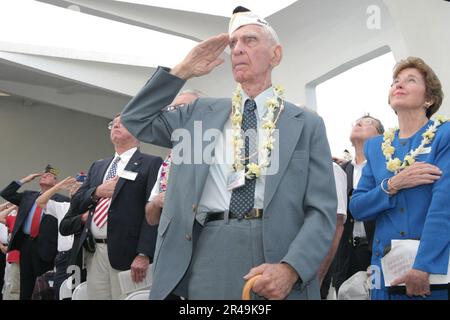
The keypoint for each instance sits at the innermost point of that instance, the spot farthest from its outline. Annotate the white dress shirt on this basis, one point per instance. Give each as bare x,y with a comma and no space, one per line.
216,196
155,189
3,234
59,210
124,159
340,179
358,226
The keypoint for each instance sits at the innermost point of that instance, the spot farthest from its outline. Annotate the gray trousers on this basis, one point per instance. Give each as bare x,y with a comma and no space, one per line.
11,287
223,254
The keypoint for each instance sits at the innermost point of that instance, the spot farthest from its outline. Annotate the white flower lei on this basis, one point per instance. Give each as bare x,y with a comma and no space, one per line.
396,165
268,127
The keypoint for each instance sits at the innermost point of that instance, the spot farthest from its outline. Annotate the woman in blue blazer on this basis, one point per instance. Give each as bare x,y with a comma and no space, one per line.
406,181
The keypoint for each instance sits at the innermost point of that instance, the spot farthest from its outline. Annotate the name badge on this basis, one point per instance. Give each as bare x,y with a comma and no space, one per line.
425,150
236,180
129,175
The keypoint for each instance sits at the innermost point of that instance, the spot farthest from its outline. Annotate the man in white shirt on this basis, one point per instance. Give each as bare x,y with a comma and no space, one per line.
225,222
354,253
59,210
325,272
115,194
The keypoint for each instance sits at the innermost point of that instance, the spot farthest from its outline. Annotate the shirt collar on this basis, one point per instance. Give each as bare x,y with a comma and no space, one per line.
260,100
355,165
126,156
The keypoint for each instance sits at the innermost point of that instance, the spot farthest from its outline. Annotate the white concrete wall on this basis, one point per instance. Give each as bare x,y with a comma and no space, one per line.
32,136
424,26
324,38
321,38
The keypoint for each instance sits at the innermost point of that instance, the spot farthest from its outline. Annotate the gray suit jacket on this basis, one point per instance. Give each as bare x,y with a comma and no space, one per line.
299,200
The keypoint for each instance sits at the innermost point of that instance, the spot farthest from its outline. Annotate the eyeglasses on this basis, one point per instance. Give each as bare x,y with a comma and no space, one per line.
363,122
112,123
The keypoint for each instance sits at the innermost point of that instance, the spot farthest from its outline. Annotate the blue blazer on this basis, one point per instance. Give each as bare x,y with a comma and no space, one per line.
422,212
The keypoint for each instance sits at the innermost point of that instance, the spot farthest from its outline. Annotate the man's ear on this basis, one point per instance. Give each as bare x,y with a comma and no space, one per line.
277,55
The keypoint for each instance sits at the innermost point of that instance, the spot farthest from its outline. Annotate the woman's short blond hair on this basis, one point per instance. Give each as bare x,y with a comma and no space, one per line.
433,85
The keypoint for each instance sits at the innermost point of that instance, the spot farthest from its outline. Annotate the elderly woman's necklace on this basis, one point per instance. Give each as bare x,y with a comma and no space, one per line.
396,165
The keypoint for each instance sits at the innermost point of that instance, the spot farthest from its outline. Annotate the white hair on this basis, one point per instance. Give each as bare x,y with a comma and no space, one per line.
271,34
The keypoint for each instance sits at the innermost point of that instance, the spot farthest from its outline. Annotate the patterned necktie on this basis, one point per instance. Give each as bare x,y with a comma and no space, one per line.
101,210
243,198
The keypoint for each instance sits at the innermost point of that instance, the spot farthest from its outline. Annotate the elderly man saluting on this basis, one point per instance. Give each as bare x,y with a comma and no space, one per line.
255,214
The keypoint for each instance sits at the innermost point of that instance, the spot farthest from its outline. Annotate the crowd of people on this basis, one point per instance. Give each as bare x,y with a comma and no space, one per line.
254,196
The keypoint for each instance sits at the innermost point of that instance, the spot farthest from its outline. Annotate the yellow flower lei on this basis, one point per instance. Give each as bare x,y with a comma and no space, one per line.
268,127
396,165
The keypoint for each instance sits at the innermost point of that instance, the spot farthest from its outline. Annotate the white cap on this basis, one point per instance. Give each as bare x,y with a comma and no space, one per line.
355,288
242,17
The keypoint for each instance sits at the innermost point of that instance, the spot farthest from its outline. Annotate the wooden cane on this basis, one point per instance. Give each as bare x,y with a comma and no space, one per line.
248,287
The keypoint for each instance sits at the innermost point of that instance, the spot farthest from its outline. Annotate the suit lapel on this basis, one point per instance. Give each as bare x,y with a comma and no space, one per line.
349,169
27,205
214,118
132,165
102,171
290,126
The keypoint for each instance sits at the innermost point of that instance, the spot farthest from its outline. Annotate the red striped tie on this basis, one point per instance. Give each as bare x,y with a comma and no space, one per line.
101,210
36,222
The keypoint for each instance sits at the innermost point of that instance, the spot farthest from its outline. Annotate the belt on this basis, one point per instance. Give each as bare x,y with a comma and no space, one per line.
360,241
101,241
252,214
